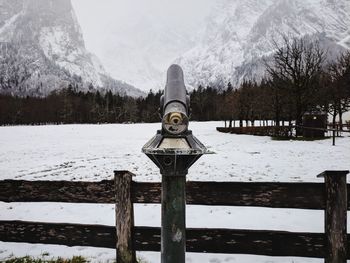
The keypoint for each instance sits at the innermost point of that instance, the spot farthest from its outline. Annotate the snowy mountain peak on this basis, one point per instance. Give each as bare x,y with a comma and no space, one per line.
240,33
48,41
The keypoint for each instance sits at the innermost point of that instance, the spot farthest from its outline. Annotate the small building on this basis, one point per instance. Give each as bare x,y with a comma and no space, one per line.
314,124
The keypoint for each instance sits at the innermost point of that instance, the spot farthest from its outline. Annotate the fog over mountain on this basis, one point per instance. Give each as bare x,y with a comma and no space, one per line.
46,44
138,40
42,49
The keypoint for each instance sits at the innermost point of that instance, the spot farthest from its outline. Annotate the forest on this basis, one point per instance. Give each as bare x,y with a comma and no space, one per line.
298,79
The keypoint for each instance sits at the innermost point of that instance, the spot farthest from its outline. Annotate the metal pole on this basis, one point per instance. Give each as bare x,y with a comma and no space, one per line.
173,233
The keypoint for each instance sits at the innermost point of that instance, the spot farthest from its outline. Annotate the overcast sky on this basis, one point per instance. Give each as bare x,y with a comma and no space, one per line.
101,18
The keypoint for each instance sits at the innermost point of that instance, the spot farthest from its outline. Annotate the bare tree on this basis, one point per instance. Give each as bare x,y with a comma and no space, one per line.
230,106
296,67
339,90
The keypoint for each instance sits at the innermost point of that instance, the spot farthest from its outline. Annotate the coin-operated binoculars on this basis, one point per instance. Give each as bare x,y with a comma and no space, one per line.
174,150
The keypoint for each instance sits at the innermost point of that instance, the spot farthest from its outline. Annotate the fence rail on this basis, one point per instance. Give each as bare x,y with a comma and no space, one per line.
285,131
57,191
331,196
276,195
258,242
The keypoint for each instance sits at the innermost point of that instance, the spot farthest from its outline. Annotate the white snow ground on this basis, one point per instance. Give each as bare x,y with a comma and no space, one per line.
92,152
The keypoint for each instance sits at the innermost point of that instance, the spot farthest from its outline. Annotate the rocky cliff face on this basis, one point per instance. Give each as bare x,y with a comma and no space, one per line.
42,49
240,33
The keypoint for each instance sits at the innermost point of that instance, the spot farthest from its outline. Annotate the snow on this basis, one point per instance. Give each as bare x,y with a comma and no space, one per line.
345,42
92,152
58,46
239,33
8,24
52,37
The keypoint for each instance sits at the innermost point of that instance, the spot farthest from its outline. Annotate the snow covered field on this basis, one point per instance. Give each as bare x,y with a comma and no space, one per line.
92,152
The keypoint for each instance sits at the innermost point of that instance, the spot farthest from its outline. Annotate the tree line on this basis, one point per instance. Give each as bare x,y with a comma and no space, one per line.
298,79
69,105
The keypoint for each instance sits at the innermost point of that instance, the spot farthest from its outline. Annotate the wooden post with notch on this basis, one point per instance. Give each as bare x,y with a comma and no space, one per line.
124,216
335,216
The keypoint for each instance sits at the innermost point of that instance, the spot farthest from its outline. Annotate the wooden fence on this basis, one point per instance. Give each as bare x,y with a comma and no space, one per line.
281,131
331,196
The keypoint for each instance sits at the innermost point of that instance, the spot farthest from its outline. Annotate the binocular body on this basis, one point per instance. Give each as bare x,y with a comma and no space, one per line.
174,148
175,103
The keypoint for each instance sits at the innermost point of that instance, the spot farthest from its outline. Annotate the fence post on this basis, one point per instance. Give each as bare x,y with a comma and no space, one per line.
335,215
124,216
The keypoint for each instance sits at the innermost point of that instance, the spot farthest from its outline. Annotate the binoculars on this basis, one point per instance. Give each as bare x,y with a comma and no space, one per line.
174,148
175,103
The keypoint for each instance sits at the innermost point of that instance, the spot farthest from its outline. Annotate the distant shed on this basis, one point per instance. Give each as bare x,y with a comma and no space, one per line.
315,124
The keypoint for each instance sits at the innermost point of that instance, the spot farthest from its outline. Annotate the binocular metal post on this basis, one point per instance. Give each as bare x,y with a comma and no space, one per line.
173,234
174,149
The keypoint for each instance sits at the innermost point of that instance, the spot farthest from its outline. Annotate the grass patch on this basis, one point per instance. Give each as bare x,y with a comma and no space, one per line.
28,259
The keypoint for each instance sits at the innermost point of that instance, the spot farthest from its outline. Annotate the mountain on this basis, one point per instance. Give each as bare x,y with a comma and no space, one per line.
145,37
42,49
145,55
239,34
